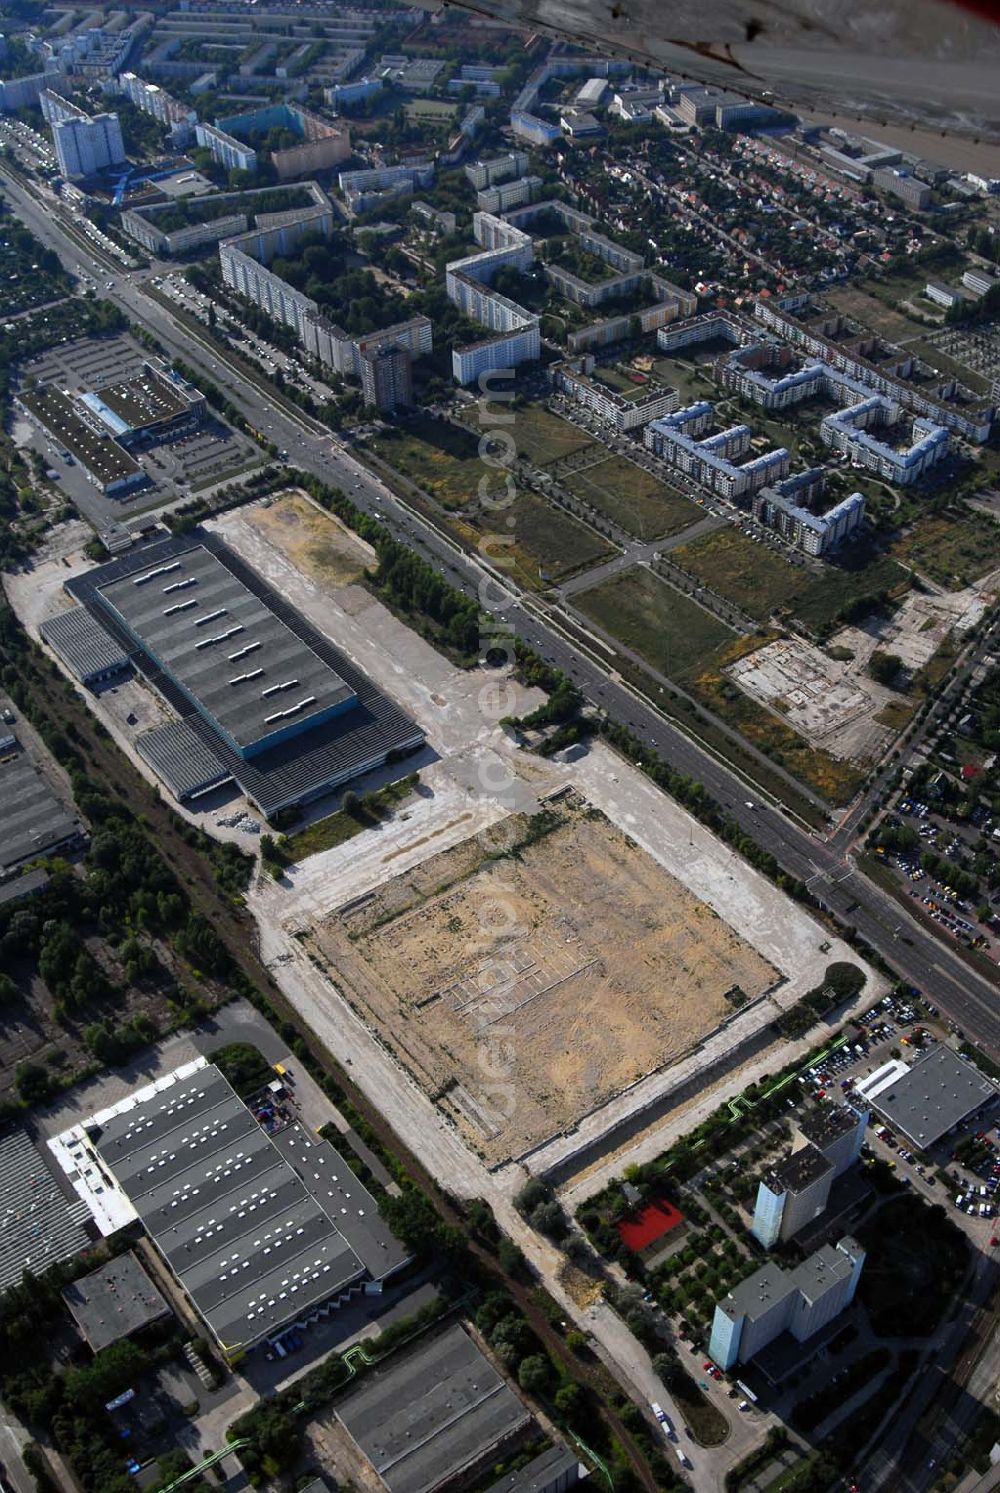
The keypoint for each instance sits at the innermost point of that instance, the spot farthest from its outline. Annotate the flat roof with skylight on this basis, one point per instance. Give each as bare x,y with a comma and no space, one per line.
248,673
260,1232
930,1098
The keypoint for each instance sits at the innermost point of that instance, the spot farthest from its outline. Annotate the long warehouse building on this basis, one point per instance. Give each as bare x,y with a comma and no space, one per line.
263,1231
275,704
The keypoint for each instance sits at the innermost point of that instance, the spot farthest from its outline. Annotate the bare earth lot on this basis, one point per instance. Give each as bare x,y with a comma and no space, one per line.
526,975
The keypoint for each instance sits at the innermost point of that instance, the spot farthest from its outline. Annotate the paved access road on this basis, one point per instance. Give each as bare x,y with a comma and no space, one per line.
918,955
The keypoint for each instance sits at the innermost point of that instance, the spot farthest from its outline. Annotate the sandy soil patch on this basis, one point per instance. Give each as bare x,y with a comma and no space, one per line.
315,541
526,975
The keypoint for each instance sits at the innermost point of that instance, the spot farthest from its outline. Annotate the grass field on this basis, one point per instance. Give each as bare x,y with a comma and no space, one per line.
672,633
953,549
541,437
438,457
680,640
633,499
549,545
428,110
760,581
692,382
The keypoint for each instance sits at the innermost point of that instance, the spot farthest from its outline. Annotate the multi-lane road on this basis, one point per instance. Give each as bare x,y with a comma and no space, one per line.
919,956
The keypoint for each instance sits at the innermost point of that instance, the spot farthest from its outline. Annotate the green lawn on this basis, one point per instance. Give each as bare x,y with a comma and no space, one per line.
438,457
541,437
762,582
672,633
633,499
748,574
548,544
953,548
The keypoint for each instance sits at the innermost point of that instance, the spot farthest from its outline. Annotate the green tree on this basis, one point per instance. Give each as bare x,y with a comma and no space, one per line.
535,1374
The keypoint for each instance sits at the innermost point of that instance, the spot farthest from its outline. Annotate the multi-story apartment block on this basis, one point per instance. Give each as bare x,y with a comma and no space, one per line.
374,178
848,430
795,1191
819,335
244,260
226,149
144,231
712,461
158,103
912,192
490,172
508,194
575,380
978,281
352,93
784,509
86,145
434,218
694,330
467,282
26,92
773,1301
387,378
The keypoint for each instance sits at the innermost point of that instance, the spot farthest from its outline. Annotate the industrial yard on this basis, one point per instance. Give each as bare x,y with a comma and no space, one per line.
492,945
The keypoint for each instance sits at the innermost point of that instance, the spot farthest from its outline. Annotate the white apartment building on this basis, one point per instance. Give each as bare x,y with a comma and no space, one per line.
467,282
795,1191
848,430
86,146
773,1301
624,413
498,168
712,462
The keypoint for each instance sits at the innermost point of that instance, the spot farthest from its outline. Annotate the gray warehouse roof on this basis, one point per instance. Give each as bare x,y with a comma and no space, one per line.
38,1225
305,766
556,1467
235,658
179,756
114,1301
84,645
32,819
933,1096
433,1414
250,1238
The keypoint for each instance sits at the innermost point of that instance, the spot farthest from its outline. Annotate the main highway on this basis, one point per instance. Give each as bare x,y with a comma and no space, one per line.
917,955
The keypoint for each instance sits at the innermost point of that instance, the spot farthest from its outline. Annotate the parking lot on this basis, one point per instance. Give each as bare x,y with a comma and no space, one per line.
950,847
176,469
940,1176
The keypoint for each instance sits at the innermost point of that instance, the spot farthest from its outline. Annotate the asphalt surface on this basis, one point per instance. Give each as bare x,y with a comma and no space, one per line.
911,950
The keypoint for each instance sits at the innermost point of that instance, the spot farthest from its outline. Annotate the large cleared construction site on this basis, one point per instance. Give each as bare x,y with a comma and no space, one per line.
527,975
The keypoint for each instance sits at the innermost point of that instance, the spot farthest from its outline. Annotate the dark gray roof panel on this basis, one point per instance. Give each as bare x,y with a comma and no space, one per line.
425,1418
114,1301
33,821
555,1466
938,1092
246,670
180,758
83,644
38,1226
304,767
